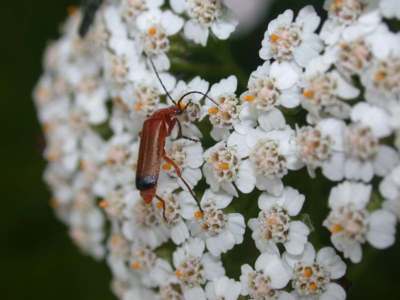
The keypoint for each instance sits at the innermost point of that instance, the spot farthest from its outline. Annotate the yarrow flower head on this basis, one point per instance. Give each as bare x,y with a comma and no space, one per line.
159,171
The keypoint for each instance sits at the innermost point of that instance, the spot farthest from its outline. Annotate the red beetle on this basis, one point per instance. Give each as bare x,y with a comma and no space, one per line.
156,129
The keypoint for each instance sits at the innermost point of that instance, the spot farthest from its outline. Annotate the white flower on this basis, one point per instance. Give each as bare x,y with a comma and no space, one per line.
322,146
313,274
131,9
266,281
352,56
223,288
194,268
288,40
324,90
188,156
205,15
350,223
118,255
169,291
365,156
390,190
153,270
381,80
219,230
224,168
120,156
349,18
390,8
120,69
142,223
176,209
91,97
269,154
155,28
274,224
115,203
224,113
270,86
139,292
86,222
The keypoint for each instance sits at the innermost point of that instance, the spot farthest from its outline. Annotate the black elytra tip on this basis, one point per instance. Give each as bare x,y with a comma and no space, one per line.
146,182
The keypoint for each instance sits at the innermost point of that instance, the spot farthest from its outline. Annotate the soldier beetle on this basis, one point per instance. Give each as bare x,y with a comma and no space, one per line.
156,128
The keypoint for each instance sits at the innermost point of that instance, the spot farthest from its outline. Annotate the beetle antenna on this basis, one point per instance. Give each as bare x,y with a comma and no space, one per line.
90,7
159,78
199,93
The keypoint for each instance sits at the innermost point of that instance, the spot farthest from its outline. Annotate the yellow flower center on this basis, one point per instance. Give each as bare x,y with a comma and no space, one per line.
152,31
213,110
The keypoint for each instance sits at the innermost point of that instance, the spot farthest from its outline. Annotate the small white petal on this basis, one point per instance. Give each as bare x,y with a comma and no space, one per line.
333,263
171,23
382,229
285,74
333,292
223,28
196,32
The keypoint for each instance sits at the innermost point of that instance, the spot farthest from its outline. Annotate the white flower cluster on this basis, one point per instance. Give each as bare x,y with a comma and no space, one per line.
96,93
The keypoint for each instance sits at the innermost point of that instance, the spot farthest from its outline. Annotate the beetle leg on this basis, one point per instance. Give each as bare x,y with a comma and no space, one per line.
180,135
162,201
179,173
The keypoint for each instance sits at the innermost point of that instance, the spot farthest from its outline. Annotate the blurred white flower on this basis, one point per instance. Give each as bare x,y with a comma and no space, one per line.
365,156
156,26
223,288
131,9
322,146
205,15
390,8
194,268
349,18
323,91
351,224
390,190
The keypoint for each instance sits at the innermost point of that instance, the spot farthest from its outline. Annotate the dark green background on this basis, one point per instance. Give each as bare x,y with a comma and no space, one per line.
37,259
